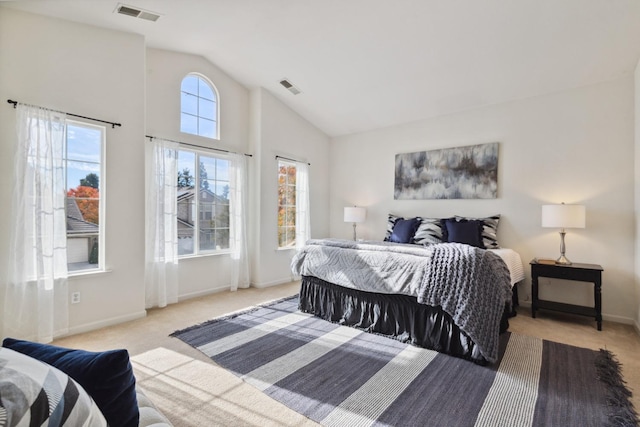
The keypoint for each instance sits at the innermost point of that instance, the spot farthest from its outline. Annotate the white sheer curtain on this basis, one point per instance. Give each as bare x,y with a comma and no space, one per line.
238,221
303,213
161,267
36,295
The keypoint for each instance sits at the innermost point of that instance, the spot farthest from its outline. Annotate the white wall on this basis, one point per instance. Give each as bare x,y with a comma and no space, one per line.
111,75
165,71
575,147
637,191
277,130
97,73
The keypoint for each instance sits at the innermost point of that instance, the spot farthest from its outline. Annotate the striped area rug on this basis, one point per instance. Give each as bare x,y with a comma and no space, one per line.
341,376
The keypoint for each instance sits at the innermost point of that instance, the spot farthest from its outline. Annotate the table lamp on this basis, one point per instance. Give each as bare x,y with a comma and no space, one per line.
563,216
355,215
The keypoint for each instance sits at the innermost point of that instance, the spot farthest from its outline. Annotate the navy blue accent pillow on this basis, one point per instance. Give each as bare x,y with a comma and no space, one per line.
467,232
106,376
404,230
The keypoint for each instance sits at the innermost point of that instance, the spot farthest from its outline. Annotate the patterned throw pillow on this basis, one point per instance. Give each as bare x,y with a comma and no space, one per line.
489,230
429,232
37,394
391,222
106,376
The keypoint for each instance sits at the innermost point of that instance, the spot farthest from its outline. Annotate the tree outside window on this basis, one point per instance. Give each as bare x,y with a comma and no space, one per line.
83,164
286,204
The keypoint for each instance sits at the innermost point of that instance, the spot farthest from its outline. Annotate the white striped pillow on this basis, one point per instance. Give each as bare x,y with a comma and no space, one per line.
429,232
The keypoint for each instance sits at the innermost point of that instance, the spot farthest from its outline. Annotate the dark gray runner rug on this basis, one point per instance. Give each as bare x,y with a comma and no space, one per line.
340,376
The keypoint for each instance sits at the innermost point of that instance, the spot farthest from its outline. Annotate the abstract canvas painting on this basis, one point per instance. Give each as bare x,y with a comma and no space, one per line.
469,172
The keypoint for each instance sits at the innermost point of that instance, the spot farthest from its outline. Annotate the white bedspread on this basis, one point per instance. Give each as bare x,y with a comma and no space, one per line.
395,282
399,285
514,263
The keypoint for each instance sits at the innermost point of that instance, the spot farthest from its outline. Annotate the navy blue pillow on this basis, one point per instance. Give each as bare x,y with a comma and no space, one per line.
106,376
404,230
467,232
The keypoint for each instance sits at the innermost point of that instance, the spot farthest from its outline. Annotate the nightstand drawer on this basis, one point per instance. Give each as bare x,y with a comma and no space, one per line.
563,272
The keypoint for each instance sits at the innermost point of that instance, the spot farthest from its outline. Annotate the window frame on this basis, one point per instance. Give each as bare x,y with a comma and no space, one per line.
197,252
198,117
101,191
291,245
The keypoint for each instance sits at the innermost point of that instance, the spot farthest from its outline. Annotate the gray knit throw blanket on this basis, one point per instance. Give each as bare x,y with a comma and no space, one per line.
468,291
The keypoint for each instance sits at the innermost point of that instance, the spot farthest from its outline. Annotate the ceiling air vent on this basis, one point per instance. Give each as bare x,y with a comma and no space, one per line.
136,12
290,87
148,16
124,10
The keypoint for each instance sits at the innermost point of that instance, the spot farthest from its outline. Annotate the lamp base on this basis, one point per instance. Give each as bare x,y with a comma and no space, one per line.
563,259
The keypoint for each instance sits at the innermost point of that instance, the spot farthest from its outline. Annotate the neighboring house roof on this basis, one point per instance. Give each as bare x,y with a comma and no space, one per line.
186,193
75,221
73,211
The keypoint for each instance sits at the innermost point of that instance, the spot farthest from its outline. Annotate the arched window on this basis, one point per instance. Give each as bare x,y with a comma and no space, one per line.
199,107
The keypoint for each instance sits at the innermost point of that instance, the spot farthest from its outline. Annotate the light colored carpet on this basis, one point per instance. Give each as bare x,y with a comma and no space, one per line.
191,390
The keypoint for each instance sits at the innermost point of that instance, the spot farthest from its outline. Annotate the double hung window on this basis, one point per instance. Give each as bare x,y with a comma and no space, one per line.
203,203
286,204
84,207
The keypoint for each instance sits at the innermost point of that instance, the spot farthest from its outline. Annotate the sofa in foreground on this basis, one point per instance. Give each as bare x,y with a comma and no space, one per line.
46,385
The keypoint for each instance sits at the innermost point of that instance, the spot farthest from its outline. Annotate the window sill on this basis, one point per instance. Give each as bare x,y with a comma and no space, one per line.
80,274
185,257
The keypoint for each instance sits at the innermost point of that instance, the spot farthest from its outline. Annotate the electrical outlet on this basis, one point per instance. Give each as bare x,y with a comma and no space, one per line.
75,297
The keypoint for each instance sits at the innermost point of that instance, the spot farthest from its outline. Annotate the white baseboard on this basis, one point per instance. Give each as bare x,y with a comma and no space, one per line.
104,323
126,318
618,319
274,282
205,292
607,317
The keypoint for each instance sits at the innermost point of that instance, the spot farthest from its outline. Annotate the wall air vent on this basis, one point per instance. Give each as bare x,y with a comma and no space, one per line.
136,12
289,86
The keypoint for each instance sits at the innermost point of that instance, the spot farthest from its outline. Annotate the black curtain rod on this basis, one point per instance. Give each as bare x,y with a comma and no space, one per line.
113,124
197,146
293,160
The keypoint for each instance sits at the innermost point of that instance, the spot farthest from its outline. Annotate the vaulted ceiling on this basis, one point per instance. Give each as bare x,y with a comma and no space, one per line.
367,64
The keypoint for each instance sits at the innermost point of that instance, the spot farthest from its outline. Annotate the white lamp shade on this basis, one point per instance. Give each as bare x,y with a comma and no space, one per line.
563,216
354,214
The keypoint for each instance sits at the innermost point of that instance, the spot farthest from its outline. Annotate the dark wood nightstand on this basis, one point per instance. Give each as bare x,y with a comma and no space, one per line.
579,272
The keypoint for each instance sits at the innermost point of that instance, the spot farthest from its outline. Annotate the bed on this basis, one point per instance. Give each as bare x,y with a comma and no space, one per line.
450,297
